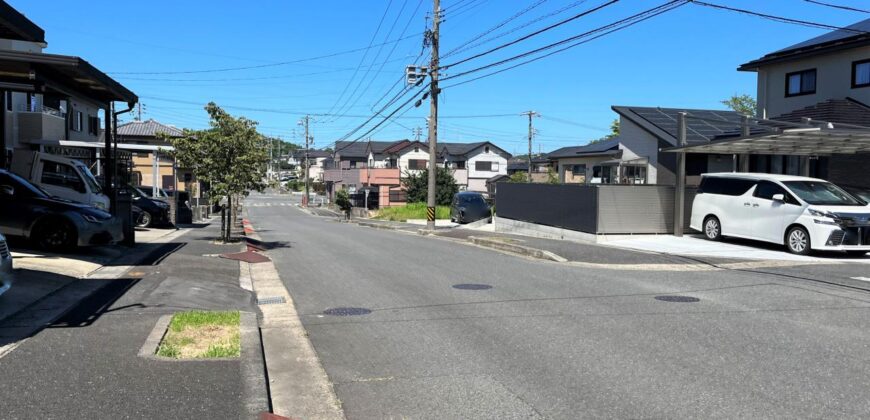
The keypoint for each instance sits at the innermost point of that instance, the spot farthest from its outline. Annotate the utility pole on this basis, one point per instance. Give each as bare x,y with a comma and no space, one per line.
531,114
433,115
417,132
305,124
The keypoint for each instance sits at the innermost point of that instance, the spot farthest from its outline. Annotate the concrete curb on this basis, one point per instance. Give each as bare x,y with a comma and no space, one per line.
377,225
255,391
516,249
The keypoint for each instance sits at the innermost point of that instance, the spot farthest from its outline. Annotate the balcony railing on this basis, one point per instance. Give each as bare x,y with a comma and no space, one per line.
41,109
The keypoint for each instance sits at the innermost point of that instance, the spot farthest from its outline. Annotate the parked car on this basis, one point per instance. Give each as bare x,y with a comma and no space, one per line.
61,177
154,212
804,214
5,266
469,206
149,191
52,223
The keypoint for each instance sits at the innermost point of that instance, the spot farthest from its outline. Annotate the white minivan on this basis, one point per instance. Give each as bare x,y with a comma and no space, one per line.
802,213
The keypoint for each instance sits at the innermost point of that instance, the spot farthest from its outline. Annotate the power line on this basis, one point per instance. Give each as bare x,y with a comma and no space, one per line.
363,59
777,18
283,63
838,6
606,29
499,25
533,34
471,44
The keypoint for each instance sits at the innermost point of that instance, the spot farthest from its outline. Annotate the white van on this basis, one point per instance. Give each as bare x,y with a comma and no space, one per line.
802,213
61,177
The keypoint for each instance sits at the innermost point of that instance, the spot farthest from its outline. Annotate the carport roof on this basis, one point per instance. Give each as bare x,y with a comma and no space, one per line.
799,141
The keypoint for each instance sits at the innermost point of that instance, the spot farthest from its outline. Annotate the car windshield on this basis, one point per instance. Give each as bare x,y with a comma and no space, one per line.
89,179
822,193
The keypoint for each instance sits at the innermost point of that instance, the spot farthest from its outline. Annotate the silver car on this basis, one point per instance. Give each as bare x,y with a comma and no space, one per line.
5,266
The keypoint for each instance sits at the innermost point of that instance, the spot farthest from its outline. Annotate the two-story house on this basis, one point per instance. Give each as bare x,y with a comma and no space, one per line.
52,103
826,78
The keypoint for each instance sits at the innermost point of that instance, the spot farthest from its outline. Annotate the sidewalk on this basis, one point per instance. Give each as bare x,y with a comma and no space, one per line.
86,364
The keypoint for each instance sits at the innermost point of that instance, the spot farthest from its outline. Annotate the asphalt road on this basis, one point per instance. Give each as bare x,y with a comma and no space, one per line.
554,341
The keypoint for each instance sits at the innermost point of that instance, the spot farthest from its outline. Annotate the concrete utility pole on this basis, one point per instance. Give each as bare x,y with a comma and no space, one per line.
305,121
531,114
433,116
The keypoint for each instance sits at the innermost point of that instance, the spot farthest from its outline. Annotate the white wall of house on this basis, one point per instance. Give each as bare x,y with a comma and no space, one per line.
410,153
477,179
635,142
833,81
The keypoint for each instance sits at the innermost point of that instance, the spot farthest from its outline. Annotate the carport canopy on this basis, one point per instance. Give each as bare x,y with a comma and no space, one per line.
809,141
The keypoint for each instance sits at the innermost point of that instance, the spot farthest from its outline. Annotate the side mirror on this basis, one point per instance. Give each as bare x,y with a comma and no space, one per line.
780,198
7,190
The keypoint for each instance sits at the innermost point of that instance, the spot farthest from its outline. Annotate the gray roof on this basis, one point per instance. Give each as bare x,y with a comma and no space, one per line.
603,148
359,149
662,122
313,153
14,25
852,36
148,128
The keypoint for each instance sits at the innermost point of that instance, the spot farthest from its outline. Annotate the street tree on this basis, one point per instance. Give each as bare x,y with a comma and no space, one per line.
230,155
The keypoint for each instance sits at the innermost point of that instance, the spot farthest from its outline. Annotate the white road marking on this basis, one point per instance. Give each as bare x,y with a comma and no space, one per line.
861,278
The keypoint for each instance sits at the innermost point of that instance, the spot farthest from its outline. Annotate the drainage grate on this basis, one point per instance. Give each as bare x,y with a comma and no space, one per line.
271,300
347,311
678,299
471,286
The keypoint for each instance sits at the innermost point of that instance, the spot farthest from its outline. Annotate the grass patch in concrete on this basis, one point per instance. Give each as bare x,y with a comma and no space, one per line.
202,335
411,211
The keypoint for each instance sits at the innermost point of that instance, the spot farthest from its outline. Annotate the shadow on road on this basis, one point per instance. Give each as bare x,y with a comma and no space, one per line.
92,307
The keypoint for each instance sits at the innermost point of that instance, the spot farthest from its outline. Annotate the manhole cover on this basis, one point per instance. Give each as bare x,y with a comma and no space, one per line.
469,286
679,299
347,311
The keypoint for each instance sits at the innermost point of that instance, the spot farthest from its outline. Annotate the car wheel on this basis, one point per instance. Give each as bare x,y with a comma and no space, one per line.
797,240
856,254
144,220
54,235
712,228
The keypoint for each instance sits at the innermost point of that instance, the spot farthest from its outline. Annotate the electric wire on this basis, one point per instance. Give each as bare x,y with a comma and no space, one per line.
838,6
780,19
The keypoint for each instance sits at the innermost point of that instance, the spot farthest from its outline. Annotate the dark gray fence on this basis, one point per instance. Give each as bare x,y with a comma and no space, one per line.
564,206
599,209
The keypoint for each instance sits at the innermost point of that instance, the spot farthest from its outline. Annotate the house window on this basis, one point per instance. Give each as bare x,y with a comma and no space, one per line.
417,164
634,175
800,83
8,100
76,123
578,170
93,125
483,166
861,73
459,164
486,149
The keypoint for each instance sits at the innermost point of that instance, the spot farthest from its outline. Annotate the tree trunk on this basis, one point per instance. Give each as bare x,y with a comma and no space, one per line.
223,223
229,228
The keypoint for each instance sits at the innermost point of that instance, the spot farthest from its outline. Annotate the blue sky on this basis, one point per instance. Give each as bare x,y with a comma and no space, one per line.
683,58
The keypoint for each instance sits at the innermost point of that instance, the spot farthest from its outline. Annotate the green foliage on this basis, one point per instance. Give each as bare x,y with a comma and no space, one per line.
187,319
614,131
743,104
417,186
411,211
519,177
230,155
552,177
342,200
295,185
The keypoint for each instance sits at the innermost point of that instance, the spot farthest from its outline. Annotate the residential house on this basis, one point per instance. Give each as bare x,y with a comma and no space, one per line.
590,164
474,164
355,165
541,166
826,78
317,161
153,164
52,103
